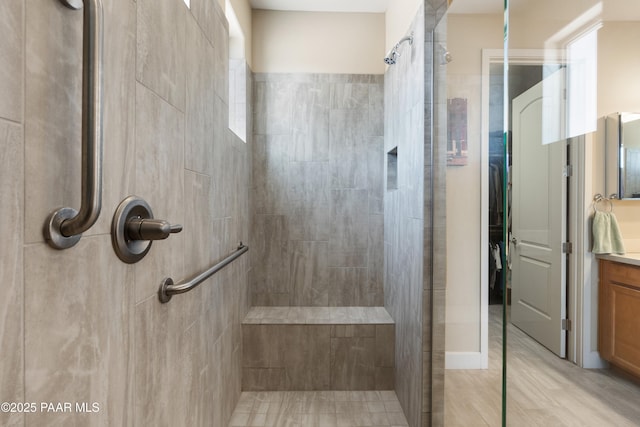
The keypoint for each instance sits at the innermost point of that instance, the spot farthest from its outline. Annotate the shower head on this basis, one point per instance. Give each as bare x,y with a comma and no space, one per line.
392,56
445,55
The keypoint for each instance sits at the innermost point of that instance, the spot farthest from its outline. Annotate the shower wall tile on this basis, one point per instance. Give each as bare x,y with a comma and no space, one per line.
160,182
308,272
347,228
12,54
223,160
161,48
273,113
349,287
310,135
78,332
200,234
221,46
376,111
309,221
345,255
376,159
338,357
375,257
308,183
52,134
407,225
206,14
199,112
271,163
274,346
349,95
119,109
353,363
70,317
310,125
172,374
11,264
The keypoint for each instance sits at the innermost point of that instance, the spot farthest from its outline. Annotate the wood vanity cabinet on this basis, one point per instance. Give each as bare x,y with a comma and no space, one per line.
619,315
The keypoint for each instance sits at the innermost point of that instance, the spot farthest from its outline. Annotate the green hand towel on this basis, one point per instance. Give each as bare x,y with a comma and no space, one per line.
606,234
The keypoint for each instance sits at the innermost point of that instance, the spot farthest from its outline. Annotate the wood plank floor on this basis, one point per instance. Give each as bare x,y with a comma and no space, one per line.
542,389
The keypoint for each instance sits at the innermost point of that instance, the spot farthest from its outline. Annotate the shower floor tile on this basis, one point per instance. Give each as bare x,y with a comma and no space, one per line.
318,409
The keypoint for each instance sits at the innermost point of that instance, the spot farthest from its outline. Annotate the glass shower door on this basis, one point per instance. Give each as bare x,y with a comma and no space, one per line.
570,64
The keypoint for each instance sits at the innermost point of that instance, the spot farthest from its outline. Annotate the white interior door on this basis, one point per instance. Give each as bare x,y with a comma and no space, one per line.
538,282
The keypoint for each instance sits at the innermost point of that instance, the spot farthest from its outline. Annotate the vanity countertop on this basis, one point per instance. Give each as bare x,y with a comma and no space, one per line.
632,258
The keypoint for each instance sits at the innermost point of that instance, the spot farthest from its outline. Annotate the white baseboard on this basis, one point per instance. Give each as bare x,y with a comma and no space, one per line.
463,360
592,360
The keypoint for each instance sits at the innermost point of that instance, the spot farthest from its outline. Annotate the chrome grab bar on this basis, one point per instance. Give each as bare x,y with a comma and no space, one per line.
168,288
65,226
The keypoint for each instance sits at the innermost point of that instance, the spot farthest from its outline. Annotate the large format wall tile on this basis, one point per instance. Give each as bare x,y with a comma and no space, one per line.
11,274
310,128
200,95
289,353
70,317
11,59
160,182
161,48
308,273
407,229
78,338
273,112
52,112
275,349
119,108
318,165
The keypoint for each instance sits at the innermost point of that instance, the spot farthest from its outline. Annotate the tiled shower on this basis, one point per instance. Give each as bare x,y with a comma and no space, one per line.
307,192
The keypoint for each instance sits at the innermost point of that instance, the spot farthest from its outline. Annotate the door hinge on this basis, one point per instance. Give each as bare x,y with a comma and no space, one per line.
566,324
567,247
567,171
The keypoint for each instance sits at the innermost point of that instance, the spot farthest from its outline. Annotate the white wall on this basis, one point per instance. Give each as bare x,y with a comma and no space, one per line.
317,42
242,10
398,19
467,36
618,73
618,90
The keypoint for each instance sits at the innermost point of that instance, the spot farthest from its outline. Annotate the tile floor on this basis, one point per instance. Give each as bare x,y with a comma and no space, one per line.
318,409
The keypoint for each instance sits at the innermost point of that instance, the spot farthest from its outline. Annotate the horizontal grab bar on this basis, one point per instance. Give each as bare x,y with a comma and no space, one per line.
168,288
65,226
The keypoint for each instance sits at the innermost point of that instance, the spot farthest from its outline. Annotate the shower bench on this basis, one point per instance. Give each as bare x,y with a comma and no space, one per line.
318,348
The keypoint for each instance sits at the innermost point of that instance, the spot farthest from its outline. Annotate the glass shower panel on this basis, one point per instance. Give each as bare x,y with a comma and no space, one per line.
570,64
468,125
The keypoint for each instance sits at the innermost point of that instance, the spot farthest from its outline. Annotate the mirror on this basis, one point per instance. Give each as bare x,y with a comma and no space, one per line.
623,155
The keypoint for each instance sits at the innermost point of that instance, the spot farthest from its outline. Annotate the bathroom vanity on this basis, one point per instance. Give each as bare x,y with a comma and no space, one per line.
619,311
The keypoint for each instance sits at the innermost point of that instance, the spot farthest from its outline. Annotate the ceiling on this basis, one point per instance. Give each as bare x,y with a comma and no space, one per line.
372,6
623,10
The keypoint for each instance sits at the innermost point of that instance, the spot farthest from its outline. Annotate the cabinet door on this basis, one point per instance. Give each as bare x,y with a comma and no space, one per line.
619,331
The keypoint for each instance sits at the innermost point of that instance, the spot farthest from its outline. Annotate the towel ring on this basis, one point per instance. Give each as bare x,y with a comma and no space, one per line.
599,198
